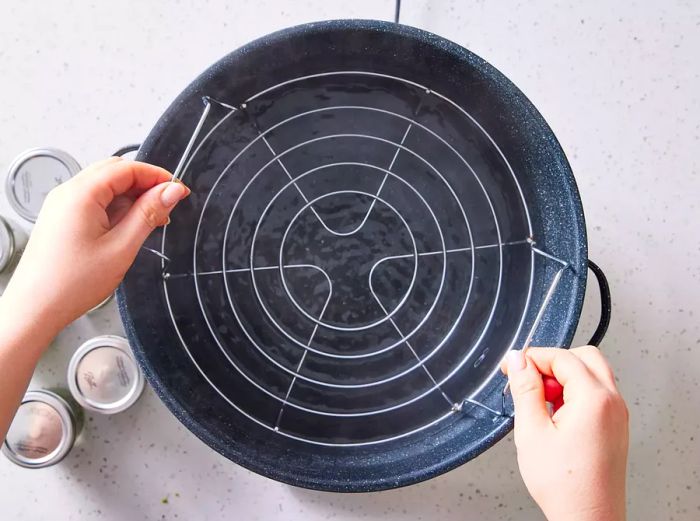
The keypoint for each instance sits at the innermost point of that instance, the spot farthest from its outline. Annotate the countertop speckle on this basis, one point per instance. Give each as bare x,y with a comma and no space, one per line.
618,83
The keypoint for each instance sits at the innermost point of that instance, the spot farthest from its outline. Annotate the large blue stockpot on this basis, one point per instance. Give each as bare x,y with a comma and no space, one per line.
478,179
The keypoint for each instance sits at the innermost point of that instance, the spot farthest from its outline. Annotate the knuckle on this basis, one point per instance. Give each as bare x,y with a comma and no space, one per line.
624,410
151,216
618,410
610,375
601,398
590,350
593,355
609,403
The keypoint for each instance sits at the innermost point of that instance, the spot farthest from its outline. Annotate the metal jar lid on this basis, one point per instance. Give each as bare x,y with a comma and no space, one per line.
33,174
42,432
103,375
7,245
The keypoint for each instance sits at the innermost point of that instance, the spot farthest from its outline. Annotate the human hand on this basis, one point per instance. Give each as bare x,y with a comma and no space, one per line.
86,237
574,462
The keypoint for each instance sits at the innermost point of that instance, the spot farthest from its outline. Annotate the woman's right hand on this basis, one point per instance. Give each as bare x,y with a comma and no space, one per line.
574,461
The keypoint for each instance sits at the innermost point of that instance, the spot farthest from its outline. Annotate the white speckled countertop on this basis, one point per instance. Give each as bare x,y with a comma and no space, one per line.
618,82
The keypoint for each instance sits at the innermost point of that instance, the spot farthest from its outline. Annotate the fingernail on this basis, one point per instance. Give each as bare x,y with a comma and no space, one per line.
516,360
172,194
178,180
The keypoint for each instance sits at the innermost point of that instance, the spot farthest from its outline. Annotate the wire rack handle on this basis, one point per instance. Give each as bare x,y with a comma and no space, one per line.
598,335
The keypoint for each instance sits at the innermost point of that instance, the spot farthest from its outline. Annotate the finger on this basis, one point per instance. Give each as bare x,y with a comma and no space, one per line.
527,390
148,212
566,367
118,177
597,364
106,160
135,191
88,170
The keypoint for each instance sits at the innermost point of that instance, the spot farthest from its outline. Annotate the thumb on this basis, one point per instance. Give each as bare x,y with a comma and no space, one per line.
149,211
527,389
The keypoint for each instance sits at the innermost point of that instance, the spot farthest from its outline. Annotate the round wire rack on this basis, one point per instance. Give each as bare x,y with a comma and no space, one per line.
355,260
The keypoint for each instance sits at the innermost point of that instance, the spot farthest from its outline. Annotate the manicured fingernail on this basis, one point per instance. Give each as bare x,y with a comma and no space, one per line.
172,194
516,360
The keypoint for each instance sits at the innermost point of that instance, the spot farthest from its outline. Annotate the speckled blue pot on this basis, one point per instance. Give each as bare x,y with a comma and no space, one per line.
530,147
